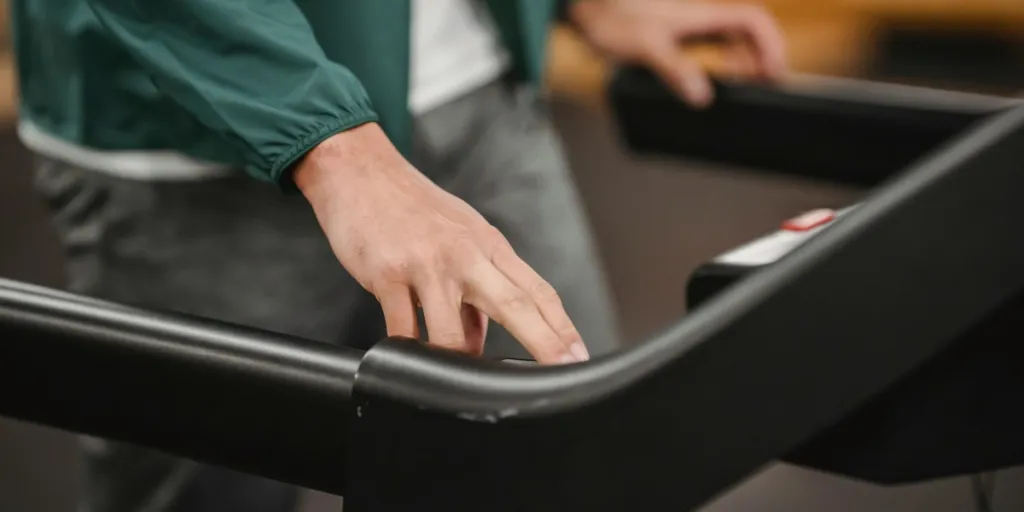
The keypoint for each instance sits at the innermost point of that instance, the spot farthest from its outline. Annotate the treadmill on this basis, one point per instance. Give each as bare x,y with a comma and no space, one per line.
900,313
951,416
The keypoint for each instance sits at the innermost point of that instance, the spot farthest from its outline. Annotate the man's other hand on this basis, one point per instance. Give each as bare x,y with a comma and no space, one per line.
412,244
649,32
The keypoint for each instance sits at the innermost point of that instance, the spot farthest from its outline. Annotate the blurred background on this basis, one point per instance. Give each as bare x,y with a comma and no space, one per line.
656,220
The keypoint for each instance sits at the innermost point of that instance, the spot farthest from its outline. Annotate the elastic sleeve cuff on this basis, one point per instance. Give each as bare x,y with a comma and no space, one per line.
280,171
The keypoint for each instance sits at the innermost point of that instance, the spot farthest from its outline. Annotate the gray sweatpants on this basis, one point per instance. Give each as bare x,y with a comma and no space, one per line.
240,251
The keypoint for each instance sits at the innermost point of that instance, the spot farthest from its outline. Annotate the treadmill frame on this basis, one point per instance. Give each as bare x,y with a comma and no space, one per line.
757,372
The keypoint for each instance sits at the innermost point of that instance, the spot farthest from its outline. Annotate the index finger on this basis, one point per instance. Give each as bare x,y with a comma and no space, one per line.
494,294
544,296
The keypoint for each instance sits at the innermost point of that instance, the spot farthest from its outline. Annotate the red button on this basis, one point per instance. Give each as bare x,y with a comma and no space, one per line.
809,220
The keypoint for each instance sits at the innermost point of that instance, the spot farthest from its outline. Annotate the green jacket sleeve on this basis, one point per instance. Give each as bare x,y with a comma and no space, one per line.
250,70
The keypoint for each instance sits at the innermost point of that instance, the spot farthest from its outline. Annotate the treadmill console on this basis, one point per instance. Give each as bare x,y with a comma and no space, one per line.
948,418
729,267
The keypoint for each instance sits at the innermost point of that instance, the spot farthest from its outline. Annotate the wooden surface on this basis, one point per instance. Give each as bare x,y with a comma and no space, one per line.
993,14
827,44
8,89
8,80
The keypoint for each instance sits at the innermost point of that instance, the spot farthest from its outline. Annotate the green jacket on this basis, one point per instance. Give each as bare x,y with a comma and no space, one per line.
253,83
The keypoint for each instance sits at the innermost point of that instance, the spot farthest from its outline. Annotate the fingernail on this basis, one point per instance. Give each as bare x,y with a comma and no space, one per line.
568,358
579,351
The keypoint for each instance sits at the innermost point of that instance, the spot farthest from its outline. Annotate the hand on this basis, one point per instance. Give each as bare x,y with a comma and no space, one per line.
648,32
411,243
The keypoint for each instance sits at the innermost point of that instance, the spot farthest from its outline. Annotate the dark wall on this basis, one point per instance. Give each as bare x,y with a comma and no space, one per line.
38,467
28,249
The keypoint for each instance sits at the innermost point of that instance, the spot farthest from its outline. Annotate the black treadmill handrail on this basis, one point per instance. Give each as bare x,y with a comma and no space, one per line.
756,372
471,389
840,130
216,377
175,337
867,92
176,383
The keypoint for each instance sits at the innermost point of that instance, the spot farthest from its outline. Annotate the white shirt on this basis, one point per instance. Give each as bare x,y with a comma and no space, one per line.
455,48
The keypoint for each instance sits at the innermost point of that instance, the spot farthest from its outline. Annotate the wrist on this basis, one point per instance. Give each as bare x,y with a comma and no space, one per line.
344,159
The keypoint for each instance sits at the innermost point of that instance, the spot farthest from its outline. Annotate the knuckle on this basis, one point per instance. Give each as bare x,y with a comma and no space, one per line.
448,338
460,249
461,241
495,245
546,293
516,302
568,334
424,257
422,251
493,238
553,345
391,268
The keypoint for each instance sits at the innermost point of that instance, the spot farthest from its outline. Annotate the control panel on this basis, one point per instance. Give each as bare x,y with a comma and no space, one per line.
729,267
